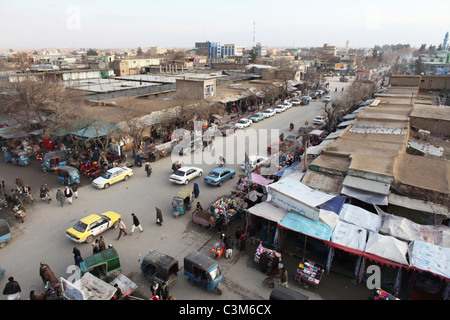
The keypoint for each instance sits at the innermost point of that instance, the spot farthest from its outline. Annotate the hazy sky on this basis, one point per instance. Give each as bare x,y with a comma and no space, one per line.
175,23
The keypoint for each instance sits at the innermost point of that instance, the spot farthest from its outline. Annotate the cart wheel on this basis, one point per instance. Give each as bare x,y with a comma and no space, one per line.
218,290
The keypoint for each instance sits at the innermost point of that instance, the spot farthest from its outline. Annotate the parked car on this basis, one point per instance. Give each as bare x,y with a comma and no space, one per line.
218,176
287,104
291,139
243,123
185,174
319,120
296,102
326,99
227,129
112,176
276,147
268,113
279,108
257,117
306,98
256,161
87,228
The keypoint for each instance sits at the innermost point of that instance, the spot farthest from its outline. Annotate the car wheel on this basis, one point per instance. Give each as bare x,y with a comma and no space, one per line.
89,239
200,174
187,181
220,183
232,176
106,186
126,178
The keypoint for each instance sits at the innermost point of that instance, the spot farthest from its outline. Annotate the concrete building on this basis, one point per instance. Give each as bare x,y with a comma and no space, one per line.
210,49
195,89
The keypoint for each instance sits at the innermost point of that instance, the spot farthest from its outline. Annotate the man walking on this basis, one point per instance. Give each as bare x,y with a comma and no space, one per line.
12,289
159,218
228,248
60,197
68,194
101,244
75,191
136,224
122,228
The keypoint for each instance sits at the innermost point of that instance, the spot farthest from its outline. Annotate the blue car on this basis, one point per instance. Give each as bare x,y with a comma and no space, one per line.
218,175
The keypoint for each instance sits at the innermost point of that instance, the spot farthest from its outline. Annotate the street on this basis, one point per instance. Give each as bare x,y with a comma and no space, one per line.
42,236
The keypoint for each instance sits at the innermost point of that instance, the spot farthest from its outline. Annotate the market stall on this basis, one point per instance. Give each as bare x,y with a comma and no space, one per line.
309,271
268,259
226,208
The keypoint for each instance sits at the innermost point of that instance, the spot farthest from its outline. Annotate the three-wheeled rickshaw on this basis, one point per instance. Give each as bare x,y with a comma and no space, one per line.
182,201
203,271
104,265
5,233
54,159
19,157
68,175
160,267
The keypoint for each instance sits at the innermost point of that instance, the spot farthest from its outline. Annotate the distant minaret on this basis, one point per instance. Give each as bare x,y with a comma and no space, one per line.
444,45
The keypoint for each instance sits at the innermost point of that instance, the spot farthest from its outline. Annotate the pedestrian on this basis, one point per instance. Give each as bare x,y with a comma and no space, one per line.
95,247
238,235
159,218
101,244
164,291
136,224
68,194
76,252
122,228
19,183
196,190
118,293
2,186
228,248
148,169
155,289
284,277
45,193
242,242
75,191
12,289
32,295
60,197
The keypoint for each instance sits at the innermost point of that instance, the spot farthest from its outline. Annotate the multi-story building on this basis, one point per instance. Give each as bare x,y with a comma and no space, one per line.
231,50
210,49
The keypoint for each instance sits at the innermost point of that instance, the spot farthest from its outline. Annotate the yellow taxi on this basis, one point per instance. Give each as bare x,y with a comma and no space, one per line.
87,228
111,176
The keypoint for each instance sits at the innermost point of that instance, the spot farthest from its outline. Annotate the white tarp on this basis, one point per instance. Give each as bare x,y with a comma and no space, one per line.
88,287
291,194
429,257
387,247
349,235
407,230
328,217
360,217
268,211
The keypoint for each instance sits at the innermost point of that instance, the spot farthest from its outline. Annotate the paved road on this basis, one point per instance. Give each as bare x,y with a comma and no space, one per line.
42,236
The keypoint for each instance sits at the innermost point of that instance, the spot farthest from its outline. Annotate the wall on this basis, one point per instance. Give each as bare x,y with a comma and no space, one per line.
405,81
437,82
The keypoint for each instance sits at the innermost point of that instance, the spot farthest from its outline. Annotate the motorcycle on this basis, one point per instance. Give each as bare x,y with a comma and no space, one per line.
19,213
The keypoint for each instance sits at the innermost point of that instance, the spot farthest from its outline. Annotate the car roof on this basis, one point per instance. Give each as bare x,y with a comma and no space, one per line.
187,168
115,169
220,169
270,109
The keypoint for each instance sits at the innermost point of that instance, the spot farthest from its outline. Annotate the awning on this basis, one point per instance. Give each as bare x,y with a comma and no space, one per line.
96,130
300,224
416,204
349,236
429,257
322,181
387,247
258,179
280,173
360,217
268,211
335,205
369,191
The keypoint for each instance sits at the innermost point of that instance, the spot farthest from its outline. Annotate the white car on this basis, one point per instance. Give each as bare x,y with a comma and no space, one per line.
280,108
319,120
287,104
243,123
326,99
268,113
307,98
296,102
256,160
111,176
185,174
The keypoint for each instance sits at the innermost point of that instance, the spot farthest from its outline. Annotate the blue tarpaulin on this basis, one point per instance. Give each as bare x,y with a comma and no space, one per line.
334,205
306,226
292,166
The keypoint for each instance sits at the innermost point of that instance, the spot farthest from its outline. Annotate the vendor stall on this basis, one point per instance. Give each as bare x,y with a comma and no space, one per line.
267,258
310,272
226,208
218,249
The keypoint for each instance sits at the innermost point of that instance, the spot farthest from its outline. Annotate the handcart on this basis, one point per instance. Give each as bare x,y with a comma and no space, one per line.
218,249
